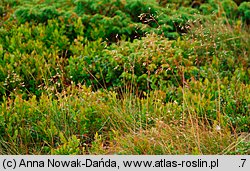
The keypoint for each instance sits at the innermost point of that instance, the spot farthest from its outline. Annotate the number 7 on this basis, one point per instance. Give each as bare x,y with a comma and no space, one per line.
244,160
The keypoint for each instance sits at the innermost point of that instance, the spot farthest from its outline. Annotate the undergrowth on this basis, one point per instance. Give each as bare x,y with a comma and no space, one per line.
124,77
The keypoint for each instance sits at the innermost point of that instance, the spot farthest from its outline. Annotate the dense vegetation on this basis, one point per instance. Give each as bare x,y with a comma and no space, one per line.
124,77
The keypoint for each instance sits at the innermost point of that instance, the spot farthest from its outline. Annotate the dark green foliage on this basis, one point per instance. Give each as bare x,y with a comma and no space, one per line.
244,11
37,14
206,9
230,8
102,7
176,59
1,11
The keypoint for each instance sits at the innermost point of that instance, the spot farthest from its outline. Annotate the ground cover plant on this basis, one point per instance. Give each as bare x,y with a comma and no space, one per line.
124,77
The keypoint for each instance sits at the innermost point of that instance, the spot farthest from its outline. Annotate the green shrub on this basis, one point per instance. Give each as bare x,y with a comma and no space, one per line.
1,11
230,8
43,122
87,77
36,14
244,11
68,147
102,7
206,9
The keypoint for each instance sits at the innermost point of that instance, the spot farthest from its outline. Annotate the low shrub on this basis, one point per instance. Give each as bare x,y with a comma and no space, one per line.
87,77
